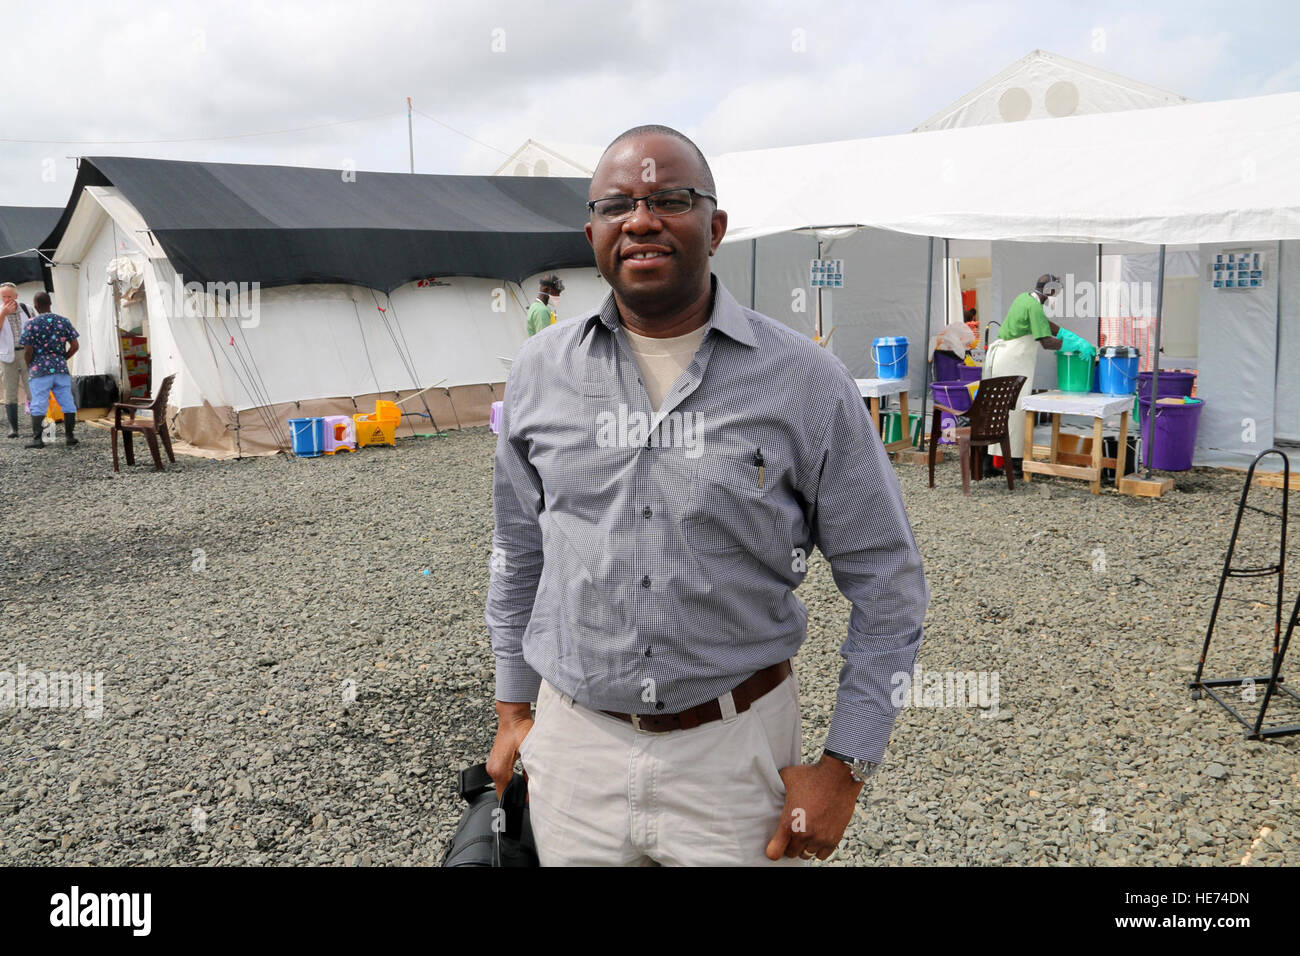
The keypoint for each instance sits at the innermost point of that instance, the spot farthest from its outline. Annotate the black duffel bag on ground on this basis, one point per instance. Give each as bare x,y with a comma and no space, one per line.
486,837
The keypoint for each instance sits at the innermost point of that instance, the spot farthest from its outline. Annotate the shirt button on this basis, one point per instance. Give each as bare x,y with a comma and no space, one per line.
647,652
645,581
659,705
646,512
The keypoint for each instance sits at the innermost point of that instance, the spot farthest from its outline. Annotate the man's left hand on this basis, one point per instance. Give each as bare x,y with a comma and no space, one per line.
819,802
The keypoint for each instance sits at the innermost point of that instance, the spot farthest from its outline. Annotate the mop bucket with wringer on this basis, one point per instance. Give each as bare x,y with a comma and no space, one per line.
890,353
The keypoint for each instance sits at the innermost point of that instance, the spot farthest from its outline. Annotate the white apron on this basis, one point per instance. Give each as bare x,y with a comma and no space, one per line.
1018,356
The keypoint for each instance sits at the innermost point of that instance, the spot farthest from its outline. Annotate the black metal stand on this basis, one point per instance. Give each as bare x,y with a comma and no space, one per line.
1274,681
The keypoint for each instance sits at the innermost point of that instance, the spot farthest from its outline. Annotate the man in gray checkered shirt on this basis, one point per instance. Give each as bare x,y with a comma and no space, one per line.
663,470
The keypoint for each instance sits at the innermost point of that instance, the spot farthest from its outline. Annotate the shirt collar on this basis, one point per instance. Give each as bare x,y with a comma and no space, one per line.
728,317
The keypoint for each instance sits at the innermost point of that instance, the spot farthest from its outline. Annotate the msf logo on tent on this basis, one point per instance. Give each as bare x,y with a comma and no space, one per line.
214,300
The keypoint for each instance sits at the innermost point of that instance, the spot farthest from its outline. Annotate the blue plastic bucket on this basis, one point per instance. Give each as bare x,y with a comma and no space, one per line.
1117,370
890,354
308,436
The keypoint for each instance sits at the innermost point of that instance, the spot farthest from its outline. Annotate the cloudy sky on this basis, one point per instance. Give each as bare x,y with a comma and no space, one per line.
324,83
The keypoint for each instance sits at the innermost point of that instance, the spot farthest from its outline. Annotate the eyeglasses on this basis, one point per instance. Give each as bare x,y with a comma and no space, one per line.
666,202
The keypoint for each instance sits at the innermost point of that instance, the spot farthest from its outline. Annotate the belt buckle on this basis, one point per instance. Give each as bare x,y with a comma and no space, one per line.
636,724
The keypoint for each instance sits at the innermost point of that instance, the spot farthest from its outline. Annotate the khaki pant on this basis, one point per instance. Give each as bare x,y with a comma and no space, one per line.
15,374
602,794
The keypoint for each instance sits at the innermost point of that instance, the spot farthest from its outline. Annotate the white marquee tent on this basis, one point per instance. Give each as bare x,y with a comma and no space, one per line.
1211,176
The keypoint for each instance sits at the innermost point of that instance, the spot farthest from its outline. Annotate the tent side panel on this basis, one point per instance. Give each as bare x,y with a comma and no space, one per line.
1238,352
1287,402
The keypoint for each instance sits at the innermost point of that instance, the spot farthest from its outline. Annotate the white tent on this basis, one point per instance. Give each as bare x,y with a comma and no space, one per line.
1212,176
551,159
1042,85
310,349
1206,172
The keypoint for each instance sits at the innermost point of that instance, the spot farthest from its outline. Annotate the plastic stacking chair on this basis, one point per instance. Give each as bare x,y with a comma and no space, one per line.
989,425
152,428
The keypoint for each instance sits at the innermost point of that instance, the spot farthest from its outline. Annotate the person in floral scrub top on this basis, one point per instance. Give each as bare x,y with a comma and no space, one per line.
50,340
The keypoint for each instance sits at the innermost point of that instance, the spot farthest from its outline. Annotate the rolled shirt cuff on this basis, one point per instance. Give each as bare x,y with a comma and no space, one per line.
516,682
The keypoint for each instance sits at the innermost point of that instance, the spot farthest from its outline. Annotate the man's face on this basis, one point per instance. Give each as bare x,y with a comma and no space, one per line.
677,271
7,299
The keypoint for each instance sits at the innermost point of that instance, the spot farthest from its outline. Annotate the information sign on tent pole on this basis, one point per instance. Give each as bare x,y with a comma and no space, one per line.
827,273
824,274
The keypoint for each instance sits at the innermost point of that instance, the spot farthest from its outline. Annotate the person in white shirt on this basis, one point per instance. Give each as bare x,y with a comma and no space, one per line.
13,366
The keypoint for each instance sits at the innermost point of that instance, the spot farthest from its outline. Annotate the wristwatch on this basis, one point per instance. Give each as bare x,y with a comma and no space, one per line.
860,769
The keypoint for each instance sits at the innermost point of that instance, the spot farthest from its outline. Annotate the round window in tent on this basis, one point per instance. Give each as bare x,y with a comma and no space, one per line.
521,169
1062,98
1014,104
541,168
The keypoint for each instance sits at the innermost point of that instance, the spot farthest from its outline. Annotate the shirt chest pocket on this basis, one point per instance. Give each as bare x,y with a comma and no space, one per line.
737,505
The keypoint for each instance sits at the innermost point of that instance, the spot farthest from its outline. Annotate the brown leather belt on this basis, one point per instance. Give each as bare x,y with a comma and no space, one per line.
743,696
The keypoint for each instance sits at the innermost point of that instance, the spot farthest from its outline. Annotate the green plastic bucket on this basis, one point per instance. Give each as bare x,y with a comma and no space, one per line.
1073,372
892,431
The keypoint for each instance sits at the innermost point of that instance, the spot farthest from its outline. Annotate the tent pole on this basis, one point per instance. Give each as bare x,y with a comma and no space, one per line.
1155,367
410,132
925,345
1099,295
817,332
753,273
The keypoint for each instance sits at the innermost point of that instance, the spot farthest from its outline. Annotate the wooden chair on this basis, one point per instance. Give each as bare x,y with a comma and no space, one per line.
989,425
152,428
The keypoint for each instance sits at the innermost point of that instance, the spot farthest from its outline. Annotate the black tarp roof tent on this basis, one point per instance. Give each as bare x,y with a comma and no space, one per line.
333,286
23,230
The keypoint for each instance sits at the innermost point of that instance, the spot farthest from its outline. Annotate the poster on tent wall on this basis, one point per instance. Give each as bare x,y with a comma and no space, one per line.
1238,270
827,274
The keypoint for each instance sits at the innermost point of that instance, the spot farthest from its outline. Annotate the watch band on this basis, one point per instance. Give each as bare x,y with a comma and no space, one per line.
861,770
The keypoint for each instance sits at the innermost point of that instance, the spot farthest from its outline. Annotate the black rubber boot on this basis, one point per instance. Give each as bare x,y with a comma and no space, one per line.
38,425
11,412
1017,468
987,468
69,423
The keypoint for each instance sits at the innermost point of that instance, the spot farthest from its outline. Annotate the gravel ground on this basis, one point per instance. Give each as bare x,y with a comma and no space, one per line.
234,609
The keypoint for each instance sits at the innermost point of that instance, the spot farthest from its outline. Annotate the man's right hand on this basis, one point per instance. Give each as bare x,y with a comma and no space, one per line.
514,721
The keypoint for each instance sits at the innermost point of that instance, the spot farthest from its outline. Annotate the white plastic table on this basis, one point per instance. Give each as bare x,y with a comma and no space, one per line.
1093,405
873,390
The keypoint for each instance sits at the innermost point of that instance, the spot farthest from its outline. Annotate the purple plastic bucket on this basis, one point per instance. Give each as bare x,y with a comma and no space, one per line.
1175,439
968,373
1172,385
945,367
954,395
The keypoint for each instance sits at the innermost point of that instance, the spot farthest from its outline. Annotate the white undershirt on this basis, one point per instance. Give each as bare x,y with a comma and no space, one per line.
662,361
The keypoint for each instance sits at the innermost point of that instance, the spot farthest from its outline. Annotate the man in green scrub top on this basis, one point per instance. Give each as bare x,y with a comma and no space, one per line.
1015,353
540,313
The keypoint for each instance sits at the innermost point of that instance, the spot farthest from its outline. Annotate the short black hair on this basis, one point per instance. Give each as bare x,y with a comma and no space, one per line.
657,130
42,302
